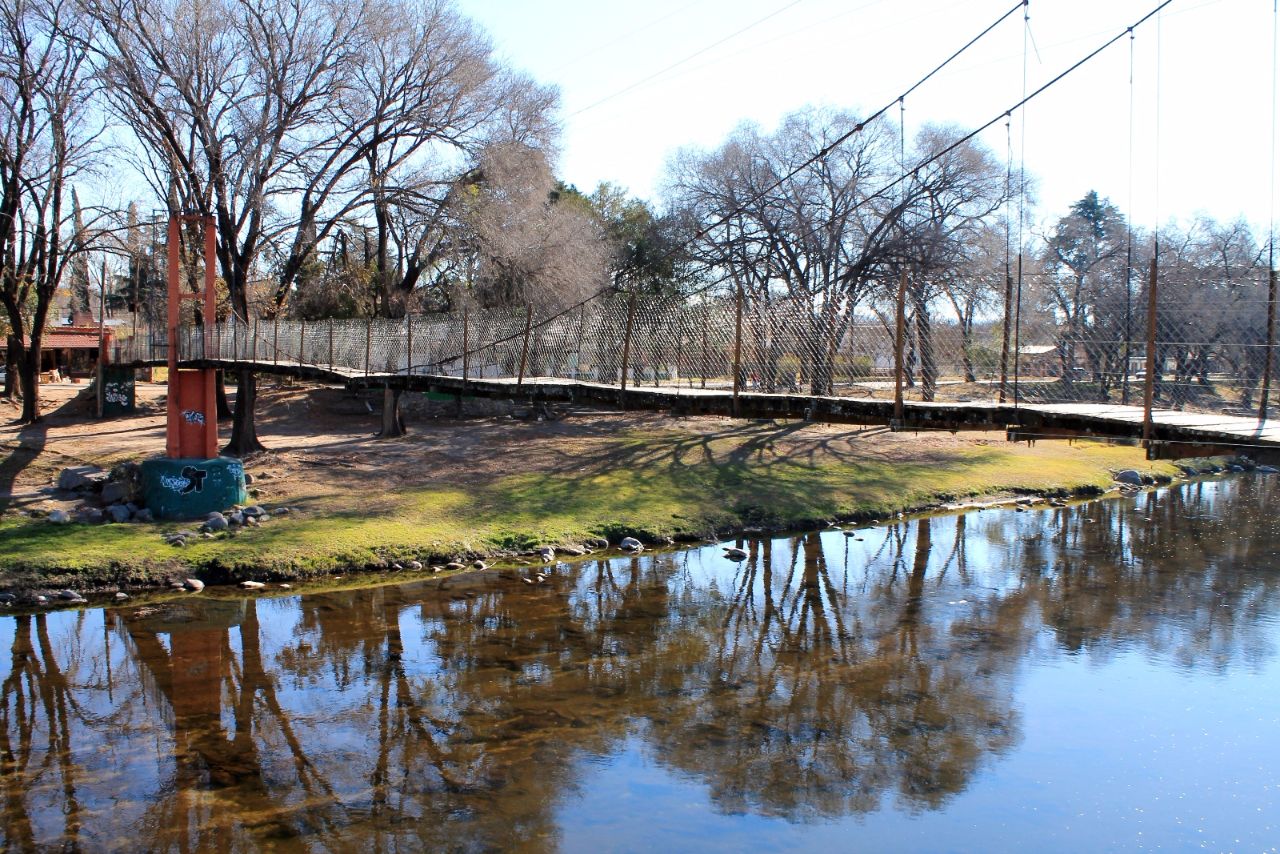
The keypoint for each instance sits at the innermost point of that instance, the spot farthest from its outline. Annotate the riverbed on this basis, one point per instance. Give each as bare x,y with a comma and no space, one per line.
1102,675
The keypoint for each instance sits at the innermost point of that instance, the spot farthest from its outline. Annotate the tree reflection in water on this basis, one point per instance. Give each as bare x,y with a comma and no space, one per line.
824,676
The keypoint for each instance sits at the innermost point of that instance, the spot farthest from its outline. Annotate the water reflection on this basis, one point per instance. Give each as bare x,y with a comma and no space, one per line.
825,676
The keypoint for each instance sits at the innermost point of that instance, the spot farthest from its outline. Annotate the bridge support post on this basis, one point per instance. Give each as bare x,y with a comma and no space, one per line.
899,334
1269,354
626,351
1149,386
737,350
524,346
466,341
191,479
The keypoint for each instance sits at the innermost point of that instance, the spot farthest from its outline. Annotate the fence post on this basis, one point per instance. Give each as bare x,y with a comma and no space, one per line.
524,349
330,322
466,341
1269,354
275,337
253,343
235,337
900,328
1148,394
737,349
368,338
626,349
302,342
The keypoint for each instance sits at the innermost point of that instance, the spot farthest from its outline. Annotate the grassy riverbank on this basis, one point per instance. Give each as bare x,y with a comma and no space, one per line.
493,486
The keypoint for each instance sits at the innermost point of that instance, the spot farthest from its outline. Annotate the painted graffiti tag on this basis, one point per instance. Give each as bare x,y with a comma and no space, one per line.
116,393
192,417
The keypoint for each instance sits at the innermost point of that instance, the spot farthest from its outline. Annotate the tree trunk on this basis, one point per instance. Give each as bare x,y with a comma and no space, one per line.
224,408
29,373
244,431
392,422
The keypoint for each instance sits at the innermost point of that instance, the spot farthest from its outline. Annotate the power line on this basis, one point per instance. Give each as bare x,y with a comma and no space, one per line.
678,63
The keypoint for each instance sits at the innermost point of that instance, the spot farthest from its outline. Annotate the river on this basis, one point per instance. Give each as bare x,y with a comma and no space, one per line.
1099,676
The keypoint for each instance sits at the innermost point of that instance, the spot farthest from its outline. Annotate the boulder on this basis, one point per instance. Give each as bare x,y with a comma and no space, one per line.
415,564
453,564
69,595
598,543
252,585
1259,469
254,511
121,596
631,544
59,517
118,513
575,551
143,515
193,584
81,478
734,553
479,564
7,598
235,517
114,492
215,522
92,516
1129,477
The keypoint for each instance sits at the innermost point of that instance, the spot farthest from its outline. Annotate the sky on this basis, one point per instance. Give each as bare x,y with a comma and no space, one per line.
639,81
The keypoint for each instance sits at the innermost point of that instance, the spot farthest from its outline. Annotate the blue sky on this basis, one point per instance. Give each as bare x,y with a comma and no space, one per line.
640,80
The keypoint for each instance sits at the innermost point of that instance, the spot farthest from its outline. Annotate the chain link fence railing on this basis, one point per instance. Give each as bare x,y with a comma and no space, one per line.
1209,348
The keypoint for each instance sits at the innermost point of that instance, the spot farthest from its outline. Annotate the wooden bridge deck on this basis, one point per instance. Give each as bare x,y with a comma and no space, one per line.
1172,430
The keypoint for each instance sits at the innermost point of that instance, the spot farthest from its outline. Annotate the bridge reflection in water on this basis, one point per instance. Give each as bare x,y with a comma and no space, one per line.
884,677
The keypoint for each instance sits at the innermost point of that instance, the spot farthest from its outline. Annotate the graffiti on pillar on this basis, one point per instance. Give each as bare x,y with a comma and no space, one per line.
191,480
192,417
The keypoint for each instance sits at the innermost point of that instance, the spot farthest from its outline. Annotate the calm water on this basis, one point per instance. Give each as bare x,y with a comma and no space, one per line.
1103,676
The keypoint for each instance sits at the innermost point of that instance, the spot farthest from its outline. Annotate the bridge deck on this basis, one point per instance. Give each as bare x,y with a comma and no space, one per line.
1025,420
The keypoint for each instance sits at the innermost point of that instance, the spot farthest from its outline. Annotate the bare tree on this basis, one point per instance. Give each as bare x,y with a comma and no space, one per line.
47,141
286,120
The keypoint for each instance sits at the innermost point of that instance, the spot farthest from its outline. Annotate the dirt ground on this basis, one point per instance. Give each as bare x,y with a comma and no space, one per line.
321,437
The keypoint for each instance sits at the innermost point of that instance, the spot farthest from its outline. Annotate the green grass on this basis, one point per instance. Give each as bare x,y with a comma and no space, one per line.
650,484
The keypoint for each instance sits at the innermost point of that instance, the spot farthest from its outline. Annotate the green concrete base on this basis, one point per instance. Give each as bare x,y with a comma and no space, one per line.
192,489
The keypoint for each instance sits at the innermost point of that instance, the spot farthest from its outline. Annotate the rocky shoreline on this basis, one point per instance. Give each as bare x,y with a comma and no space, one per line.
185,580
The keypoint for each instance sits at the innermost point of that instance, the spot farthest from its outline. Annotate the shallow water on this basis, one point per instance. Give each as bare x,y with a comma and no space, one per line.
1100,676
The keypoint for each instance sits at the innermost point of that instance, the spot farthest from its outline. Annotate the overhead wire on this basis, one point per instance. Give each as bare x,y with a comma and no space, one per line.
775,13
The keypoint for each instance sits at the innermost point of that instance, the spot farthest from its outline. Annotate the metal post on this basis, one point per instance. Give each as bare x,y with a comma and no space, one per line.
1148,395
737,350
102,339
1004,343
524,351
253,343
899,335
408,352
235,337
1269,355
330,322
302,341
368,338
626,343
275,337
582,336
706,364
466,341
